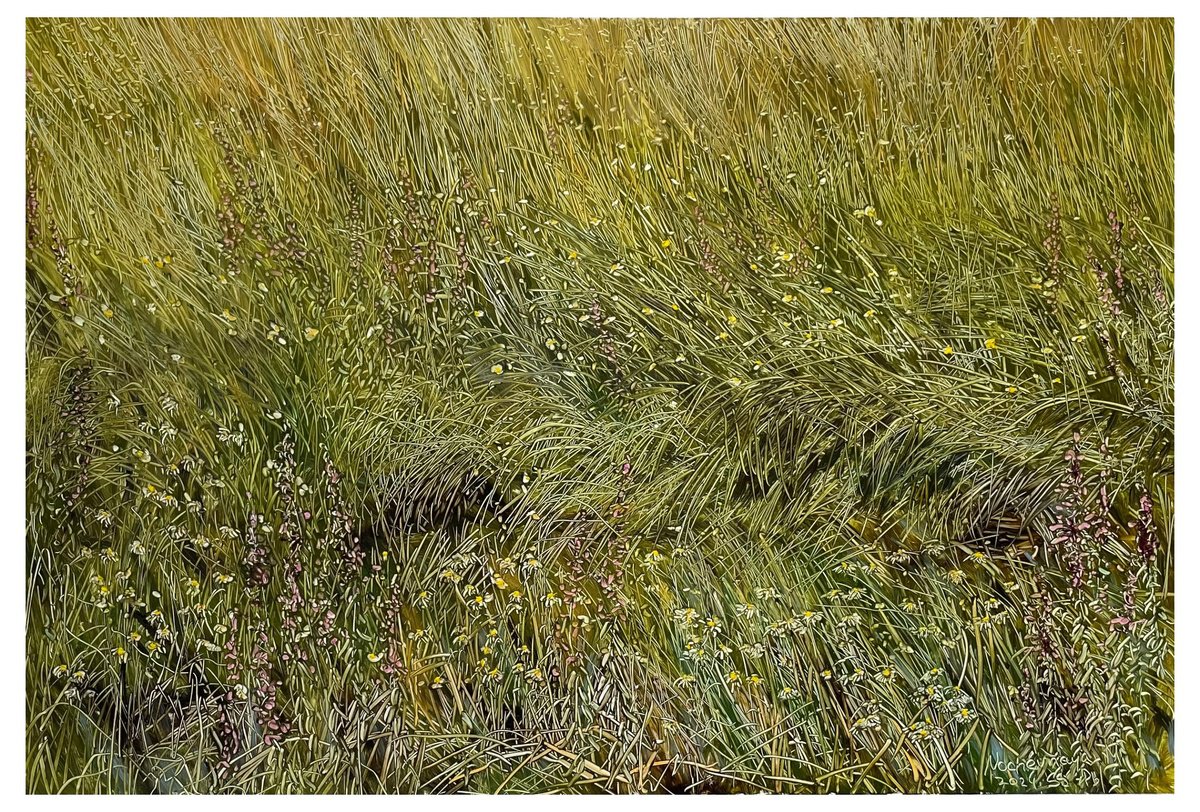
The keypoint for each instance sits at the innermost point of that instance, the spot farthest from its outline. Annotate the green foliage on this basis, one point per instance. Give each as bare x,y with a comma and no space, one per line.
530,406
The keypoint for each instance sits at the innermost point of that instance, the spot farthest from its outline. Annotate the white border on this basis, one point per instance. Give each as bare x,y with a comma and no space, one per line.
607,8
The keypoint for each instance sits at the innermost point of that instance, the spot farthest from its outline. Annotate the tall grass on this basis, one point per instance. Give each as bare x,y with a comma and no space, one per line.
532,406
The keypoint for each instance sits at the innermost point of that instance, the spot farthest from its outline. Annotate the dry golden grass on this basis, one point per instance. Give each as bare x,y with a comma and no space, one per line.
532,406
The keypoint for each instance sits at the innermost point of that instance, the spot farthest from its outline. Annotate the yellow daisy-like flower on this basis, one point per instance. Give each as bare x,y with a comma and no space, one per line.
498,369
373,657
990,344
947,350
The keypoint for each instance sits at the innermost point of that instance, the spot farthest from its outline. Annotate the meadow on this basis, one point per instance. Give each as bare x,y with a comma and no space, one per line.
524,406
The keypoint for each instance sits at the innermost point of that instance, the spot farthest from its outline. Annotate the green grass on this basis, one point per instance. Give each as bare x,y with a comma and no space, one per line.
607,406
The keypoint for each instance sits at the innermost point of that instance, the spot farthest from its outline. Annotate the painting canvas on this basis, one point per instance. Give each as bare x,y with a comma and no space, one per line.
529,406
